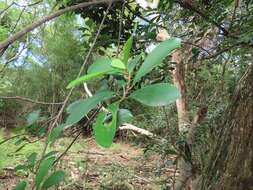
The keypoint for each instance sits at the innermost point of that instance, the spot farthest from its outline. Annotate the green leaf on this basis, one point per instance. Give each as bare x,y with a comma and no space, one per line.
33,117
54,179
20,167
55,133
156,56
100,65
160,94
80,108
117,63
133,63
50,154
43,170
32,159
127,49
20,186
88,77
124,116
105,132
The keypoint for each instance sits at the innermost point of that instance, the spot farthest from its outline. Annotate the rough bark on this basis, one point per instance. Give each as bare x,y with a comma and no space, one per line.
179,81
231,162
185,168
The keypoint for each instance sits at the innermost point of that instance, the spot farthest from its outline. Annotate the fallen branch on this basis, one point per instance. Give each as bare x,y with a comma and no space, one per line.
127,126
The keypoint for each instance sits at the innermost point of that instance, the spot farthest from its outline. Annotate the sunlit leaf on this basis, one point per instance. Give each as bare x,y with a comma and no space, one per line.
156,95
117,63
100,65
87,78
156,56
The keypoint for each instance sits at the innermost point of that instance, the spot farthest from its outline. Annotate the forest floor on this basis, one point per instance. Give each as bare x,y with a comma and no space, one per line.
121,167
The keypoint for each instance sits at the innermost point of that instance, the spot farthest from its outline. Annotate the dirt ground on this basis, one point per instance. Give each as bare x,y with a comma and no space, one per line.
122,167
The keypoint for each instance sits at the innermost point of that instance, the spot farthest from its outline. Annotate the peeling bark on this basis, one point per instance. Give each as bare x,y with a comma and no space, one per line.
179,81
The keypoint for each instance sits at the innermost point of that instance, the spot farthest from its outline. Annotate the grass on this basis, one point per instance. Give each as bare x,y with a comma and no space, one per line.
89,166
9,156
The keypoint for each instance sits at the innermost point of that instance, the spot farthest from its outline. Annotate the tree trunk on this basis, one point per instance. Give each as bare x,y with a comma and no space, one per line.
231,162
179,81
183,181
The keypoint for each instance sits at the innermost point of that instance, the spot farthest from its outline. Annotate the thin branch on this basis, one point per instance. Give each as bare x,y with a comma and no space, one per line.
79,133
196,45
191,7
4,44
7,8
20,15
79,74
11,60
28,100
145,19
120,25
28,5
221,51
10,138
234,12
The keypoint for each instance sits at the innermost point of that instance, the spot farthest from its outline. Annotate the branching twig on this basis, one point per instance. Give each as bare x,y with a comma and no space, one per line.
79,133
29,100
7,8
234,12
19,17
145,19
120,25
13,137
4,44
80,72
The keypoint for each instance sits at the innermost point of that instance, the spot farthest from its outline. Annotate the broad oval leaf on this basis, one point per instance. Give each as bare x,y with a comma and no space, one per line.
117,63
104,133
43,170
80,108
20,186
124,116
160,94
101,64
156,56
53,179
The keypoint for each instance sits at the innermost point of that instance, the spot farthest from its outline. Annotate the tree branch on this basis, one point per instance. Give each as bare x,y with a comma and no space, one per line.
4,44
28,100
189,6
